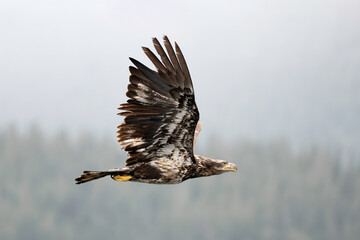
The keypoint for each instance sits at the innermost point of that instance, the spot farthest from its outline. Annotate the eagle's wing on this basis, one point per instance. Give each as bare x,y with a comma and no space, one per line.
161,113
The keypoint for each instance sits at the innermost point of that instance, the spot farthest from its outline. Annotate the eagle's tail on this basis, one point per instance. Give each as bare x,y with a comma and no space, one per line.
92,175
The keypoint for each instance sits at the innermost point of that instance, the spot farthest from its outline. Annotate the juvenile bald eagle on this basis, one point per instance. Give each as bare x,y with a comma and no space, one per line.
161,125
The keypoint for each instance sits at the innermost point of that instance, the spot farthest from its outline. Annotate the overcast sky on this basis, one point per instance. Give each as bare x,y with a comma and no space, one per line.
262,70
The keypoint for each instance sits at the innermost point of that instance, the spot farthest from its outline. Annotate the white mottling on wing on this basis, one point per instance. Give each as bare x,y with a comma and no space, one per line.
134,144
145,90
167,149
131,140
171,127
176,153
141,99
177,119
143,87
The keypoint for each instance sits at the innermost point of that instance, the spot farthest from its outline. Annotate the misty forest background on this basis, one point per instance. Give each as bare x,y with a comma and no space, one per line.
277,193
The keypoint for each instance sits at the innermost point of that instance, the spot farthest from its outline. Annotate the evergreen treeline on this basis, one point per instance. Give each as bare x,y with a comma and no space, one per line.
276,194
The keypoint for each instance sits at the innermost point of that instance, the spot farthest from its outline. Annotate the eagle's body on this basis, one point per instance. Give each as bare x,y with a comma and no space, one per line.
161,125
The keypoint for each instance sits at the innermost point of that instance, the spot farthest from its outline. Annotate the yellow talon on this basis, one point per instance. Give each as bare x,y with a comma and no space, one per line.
123,178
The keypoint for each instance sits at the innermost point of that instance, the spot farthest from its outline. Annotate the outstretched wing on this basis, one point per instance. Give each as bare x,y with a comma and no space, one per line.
161,113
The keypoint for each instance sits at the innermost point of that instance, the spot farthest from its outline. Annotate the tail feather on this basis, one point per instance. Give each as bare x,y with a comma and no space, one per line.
92,175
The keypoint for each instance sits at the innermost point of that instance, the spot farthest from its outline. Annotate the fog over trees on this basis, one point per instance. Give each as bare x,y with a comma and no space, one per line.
277,193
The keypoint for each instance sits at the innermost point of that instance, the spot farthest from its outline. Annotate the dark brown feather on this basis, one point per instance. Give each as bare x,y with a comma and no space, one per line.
184,68
161,113
154,60
164,57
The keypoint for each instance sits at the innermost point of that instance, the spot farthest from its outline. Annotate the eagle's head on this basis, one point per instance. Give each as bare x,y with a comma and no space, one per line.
207,166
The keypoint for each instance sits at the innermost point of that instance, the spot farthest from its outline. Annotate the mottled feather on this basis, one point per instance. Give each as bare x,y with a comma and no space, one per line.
161,113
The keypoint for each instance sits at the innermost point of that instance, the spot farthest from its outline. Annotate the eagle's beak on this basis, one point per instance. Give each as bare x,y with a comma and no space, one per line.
230,167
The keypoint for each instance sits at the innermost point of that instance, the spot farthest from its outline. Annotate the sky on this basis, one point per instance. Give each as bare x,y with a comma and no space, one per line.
262,70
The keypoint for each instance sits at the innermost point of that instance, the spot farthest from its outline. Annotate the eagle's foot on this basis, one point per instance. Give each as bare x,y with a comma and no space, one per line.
122,178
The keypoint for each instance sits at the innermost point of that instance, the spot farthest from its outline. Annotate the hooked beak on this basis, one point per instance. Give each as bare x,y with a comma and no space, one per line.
230,167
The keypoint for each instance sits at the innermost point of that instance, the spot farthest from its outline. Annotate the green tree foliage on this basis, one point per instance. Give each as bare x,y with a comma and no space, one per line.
276,194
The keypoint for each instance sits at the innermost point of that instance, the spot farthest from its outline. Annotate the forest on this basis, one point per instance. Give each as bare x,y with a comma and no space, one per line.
278,193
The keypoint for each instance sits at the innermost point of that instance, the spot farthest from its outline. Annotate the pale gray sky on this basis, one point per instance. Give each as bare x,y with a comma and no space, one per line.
262,70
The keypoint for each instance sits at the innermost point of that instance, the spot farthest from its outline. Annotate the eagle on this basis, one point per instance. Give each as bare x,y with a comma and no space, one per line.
161,124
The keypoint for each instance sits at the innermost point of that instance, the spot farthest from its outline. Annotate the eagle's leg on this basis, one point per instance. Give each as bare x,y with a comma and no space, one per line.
121,178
